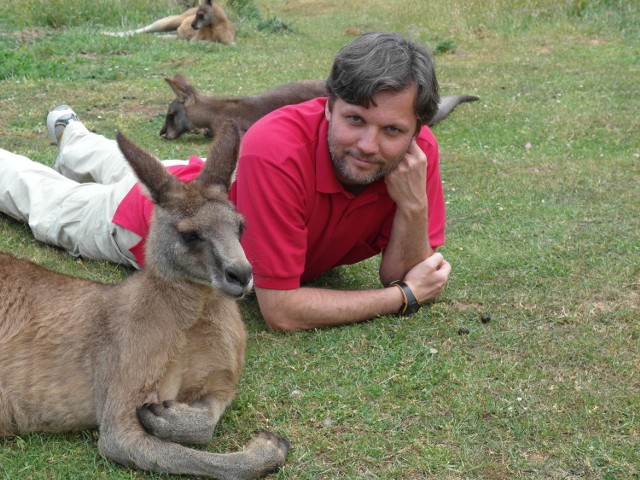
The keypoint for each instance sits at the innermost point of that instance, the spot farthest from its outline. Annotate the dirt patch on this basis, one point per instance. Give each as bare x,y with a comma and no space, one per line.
25,35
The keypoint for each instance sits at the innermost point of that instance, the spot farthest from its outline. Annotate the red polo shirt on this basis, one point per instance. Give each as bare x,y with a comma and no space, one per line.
300,221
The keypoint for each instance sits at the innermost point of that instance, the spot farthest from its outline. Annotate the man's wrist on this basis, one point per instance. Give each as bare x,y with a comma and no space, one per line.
413,210
410,304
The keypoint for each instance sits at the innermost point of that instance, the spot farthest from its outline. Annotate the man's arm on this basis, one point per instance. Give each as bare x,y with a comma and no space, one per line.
408,255
408,242
305,308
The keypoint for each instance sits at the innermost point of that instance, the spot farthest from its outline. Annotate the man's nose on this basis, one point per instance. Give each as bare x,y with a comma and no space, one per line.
368,141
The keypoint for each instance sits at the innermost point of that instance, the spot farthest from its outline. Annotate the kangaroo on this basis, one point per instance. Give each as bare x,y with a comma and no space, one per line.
191,111
205,22
154,360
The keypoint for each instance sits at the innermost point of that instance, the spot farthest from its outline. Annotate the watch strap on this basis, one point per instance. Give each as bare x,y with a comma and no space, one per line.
410,303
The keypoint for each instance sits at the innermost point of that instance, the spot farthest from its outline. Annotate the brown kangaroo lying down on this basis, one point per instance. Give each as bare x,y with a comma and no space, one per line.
192,111
152,361
206,22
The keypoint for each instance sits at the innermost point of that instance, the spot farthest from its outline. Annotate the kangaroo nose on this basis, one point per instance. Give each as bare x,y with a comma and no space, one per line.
239,275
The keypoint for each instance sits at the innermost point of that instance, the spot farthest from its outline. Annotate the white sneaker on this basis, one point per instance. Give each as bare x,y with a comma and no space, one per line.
58,119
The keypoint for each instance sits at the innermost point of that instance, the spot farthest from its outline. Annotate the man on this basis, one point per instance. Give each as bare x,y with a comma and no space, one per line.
324,183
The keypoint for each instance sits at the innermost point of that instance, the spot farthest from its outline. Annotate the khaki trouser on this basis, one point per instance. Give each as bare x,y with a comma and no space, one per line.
72,205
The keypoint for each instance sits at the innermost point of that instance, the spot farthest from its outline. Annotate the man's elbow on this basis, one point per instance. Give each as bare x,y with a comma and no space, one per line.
278,308
279,323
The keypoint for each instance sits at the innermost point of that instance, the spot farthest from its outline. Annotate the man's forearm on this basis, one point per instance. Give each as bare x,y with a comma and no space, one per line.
307,308
408,245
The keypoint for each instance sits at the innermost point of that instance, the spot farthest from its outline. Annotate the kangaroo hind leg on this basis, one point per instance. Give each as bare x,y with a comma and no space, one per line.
166,24
177,422
264,454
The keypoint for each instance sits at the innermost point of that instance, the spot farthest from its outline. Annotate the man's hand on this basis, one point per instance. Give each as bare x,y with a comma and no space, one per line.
406,183
428,278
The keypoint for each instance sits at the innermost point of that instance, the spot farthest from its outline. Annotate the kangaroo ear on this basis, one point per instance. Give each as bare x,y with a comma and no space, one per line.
222,157
158,181
182,89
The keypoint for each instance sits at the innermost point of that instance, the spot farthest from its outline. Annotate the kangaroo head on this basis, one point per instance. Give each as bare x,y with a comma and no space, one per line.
204,15
177,120
195,231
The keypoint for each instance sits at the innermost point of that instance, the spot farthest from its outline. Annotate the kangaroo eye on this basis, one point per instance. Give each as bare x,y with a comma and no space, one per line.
190,237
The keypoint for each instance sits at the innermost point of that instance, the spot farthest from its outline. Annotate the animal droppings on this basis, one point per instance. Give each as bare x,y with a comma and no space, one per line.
463,331
485,318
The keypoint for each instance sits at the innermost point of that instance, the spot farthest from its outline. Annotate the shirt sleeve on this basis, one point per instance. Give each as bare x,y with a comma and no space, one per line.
435,196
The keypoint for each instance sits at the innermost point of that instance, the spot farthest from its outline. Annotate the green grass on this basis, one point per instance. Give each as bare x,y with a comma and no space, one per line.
542,187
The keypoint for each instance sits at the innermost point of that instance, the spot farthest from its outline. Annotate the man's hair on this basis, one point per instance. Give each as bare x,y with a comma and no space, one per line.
384,61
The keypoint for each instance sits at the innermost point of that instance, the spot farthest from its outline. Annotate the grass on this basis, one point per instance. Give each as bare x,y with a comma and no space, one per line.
541,180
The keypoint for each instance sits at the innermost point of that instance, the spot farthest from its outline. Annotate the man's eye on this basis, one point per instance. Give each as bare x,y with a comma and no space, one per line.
190,237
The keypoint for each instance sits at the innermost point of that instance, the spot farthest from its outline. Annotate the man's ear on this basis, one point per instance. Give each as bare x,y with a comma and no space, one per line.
327,111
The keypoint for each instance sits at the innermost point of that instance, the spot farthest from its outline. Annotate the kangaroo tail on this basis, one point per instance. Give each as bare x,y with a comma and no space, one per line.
447,104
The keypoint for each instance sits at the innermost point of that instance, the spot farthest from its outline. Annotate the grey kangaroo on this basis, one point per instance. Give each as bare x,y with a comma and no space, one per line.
154,360
191,111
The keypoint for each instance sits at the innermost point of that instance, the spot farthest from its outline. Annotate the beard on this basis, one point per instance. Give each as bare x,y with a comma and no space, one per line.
351,175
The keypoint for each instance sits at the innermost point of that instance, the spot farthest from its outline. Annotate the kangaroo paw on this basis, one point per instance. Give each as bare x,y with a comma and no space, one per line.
176,422
270,448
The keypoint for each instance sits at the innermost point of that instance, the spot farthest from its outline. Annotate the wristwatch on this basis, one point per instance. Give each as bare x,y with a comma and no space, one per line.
410,305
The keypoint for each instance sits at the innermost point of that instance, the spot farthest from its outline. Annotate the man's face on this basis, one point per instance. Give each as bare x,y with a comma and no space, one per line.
367,143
